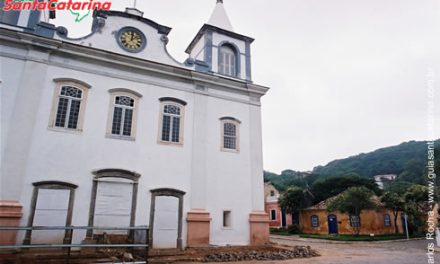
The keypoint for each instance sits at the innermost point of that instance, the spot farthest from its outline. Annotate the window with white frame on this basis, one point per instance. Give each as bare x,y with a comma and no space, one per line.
314,220
355,221
387,220
230,134
68,104
273,214
172,110
122,115
227,61
122,120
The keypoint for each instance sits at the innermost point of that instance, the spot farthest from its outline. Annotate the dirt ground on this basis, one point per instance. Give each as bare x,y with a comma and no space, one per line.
331,252
191,255
402,252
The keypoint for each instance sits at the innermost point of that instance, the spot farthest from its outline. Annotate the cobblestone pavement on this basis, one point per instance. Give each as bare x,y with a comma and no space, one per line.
333,252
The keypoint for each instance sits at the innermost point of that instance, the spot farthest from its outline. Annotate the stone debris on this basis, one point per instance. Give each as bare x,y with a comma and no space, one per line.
281,254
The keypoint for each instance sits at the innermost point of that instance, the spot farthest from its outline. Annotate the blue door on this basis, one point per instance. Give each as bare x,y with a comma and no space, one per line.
332,224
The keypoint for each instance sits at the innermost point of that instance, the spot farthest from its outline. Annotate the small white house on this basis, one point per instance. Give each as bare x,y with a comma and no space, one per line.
379,179
110,130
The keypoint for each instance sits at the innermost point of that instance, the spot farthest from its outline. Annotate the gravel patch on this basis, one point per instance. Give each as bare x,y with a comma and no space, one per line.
278,254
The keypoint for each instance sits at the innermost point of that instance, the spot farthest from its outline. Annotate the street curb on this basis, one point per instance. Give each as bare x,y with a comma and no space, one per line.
316,240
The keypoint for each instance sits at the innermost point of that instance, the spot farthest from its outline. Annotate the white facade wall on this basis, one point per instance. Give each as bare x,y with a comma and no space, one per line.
212,179
105,39
71,156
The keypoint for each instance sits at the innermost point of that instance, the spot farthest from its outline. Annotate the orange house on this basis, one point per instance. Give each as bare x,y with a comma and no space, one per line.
317,220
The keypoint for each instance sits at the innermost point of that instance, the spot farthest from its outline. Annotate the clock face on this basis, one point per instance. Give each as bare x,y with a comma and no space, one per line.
131,39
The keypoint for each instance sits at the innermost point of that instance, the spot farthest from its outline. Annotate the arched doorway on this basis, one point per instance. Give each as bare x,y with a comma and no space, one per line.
166,218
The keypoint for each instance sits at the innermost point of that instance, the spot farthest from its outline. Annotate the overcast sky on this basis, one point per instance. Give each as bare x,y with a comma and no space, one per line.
346,76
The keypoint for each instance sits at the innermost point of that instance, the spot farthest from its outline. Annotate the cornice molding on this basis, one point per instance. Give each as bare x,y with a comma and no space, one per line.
97,56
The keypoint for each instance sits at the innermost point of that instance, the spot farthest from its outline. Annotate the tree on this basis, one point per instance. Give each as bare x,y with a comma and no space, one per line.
329,187
395,203
353,201
398,186
292,200
416,206
417,196
413,171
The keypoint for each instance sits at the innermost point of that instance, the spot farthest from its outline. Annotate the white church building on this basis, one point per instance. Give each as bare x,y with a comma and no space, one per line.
110,130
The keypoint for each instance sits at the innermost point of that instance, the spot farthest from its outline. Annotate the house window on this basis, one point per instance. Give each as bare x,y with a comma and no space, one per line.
230,134
272,193
315,220
69,103
273,214
226,218
355,221
123,109
172,120
387,220
227,61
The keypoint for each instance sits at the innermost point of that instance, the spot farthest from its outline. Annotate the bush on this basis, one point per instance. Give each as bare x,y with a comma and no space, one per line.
293,229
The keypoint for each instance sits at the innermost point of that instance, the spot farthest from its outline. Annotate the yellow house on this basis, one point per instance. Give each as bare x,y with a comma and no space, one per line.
317,220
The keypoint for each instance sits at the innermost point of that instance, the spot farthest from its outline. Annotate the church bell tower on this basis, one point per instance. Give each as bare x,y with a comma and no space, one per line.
218,49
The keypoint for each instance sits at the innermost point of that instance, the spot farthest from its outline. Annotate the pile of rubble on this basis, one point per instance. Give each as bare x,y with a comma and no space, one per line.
280,254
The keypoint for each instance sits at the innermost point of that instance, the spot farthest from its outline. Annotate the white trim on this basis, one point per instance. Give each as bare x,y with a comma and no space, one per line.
59,84
181,124
111,109
237,134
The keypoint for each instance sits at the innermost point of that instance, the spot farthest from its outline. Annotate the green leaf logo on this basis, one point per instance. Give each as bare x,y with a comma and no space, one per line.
80,14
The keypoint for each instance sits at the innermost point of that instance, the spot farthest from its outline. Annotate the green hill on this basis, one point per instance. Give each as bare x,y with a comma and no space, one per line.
407,160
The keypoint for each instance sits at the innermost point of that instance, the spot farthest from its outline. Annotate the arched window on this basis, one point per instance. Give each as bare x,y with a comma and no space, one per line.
227,61
314,220
122,115
172,110
387,220
230,134
68,104
123,109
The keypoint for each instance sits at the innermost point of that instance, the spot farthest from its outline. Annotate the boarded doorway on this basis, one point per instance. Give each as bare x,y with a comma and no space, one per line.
166,222
166,218
51,205
113,202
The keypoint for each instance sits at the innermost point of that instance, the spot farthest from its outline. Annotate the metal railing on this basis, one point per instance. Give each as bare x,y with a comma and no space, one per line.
68,240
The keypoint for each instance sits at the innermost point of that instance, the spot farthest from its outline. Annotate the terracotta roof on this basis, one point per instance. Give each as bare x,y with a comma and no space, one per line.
323,204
